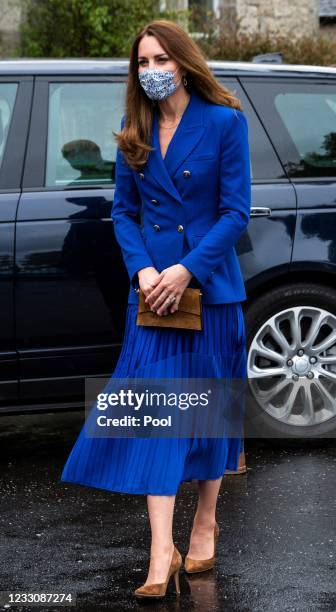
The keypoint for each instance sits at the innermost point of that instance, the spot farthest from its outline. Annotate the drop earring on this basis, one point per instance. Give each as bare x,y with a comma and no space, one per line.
185,82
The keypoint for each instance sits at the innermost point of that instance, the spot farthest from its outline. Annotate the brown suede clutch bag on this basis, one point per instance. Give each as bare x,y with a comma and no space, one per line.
188,315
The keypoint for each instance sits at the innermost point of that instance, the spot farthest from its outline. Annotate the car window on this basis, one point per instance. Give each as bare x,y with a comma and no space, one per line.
316,146
265,165
7,99
81,149
301,121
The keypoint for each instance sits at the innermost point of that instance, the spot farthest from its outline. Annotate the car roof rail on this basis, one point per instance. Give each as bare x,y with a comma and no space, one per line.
274,58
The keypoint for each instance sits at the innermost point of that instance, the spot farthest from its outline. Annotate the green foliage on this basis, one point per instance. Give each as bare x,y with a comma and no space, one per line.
85,28
106,28
223,39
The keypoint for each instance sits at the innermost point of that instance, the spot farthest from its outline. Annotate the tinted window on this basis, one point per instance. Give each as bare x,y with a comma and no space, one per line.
7,100
81,148
301,121
316,145
265,165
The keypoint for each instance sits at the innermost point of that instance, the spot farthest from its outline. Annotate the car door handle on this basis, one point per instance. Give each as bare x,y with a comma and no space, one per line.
260,211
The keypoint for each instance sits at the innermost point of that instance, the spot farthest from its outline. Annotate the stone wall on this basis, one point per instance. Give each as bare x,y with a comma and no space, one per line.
274,16
10,16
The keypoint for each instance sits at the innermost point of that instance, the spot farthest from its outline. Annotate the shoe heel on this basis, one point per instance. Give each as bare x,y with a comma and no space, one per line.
158,590
201,565
177,582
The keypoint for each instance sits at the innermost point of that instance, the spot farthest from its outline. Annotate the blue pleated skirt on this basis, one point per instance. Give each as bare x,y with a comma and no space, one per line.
157,466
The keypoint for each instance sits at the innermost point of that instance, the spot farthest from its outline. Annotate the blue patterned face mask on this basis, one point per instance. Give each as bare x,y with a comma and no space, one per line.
158,84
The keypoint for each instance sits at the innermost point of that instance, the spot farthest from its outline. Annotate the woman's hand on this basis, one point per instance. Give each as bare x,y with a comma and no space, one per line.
147,278
171,281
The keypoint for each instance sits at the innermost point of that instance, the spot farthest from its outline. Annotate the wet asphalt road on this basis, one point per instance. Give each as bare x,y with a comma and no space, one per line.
276,549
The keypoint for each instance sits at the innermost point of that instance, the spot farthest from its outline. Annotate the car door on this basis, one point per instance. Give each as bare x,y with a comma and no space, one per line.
293,331
15,102
303,129
273,208
71,286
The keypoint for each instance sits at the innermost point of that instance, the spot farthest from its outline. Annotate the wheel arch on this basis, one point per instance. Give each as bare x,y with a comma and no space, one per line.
319,276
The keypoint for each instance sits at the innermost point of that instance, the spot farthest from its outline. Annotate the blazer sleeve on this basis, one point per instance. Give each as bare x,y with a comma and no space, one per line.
234,201
124,213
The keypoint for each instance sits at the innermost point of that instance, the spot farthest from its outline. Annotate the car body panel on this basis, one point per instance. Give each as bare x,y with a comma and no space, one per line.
65,286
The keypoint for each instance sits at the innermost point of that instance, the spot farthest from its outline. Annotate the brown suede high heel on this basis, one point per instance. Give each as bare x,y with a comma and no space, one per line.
201,565
241,469
159,589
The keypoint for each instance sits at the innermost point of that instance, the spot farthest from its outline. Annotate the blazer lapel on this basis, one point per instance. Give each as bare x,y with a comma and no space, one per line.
185,138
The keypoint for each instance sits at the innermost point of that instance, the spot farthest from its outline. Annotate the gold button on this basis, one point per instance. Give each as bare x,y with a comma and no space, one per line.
156,227
180,228
142,176
186,173
154,201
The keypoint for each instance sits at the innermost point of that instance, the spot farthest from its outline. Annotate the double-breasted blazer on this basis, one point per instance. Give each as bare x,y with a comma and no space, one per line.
193,205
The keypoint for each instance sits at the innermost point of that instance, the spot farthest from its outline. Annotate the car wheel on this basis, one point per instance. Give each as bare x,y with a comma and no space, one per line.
291,362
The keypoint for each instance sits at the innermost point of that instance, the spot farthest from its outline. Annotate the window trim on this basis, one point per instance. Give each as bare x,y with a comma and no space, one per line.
35,167
233,83
14,154
297,80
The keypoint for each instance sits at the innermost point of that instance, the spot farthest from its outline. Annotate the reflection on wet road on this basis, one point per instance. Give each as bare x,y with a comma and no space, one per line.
276,549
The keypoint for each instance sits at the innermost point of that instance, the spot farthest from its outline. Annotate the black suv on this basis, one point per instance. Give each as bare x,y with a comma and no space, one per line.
63,284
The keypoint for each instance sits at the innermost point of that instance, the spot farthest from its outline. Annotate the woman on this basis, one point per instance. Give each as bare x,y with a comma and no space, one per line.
183,152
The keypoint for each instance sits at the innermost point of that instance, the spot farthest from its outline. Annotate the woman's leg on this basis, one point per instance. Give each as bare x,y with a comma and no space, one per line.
201,544
161,511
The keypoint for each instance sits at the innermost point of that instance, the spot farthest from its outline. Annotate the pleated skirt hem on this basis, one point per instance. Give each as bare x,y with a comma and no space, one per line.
144,490
158,466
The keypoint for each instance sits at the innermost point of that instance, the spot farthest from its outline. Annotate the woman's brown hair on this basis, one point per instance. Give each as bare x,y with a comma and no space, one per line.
135,137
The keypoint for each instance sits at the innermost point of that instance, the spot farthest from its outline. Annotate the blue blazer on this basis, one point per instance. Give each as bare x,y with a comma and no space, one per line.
193,205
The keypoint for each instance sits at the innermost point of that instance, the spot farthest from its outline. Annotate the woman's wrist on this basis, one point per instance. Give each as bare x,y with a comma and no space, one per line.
189,274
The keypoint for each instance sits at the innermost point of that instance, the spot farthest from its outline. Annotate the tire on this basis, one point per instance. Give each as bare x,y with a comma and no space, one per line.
286,314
